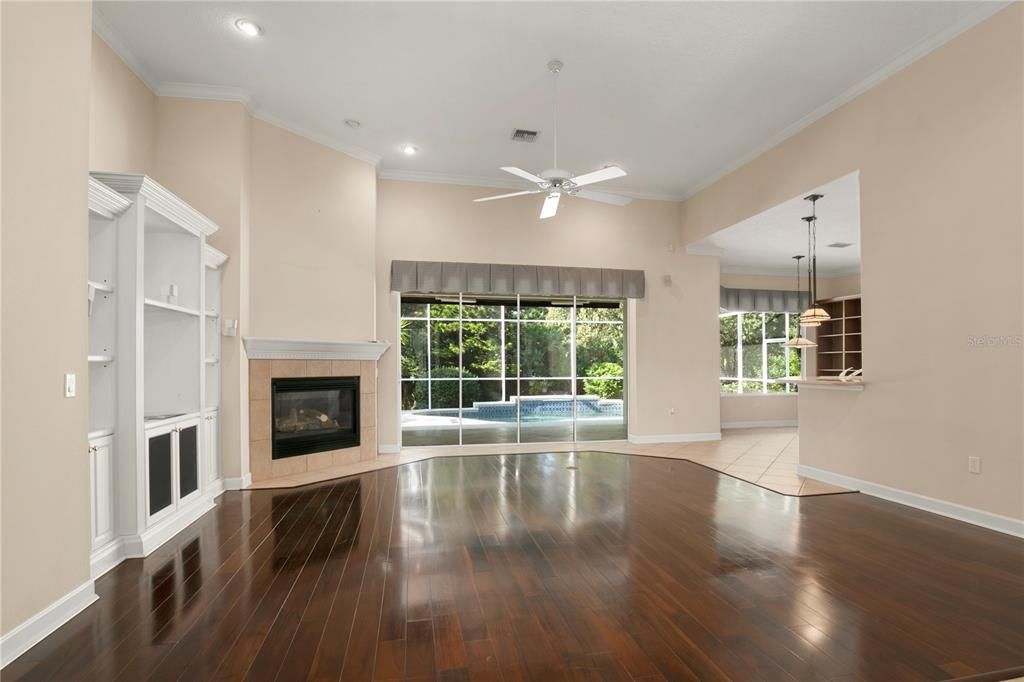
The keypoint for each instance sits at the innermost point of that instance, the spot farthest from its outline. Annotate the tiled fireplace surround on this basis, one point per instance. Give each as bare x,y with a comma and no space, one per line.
263,467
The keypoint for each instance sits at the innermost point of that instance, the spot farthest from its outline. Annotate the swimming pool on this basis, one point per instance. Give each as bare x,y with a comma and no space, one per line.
534,409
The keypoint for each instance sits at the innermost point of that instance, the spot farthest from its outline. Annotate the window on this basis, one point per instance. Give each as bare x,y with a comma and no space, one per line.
478,370
753,356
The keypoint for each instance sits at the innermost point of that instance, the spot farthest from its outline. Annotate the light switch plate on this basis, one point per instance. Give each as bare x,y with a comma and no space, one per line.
974,465
69,385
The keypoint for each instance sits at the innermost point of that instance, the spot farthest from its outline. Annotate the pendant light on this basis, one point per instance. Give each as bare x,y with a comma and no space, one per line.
799,341
815,314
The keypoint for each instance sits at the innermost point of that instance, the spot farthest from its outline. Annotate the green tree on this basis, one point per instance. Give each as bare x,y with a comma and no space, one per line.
604,387
597,344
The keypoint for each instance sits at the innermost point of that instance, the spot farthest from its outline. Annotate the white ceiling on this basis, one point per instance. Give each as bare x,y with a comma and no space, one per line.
765,244
676,93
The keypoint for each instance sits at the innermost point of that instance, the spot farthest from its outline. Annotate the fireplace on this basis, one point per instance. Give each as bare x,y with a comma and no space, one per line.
314,414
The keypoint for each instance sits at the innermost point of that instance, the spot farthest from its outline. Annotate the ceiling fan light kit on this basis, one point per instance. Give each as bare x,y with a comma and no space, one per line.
556,181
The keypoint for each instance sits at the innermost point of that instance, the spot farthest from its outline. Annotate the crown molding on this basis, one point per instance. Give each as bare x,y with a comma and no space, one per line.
983,11
216,93
354,151
213,258
497,183
101,28
105,201
160,199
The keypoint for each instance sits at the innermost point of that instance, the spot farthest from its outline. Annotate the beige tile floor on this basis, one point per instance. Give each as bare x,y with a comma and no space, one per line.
765,457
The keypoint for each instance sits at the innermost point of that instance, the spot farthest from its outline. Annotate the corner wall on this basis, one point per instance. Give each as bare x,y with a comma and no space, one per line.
45,466
202,154
313,223
122,116
940,150
296,218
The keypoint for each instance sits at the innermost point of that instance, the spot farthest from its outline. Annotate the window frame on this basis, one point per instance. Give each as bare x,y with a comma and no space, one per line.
790,387
503,319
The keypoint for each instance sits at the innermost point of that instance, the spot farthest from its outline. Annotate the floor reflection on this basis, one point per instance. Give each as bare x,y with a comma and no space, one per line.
336,508
582,565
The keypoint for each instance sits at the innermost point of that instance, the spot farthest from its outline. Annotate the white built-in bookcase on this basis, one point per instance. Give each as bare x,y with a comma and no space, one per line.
154,375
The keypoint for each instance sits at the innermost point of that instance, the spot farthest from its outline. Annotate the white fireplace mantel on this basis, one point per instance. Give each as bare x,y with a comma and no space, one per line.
261,348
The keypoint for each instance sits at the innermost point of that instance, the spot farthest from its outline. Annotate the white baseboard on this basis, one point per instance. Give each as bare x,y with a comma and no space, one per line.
32,631
977,517
106,557
238,483
114,552
388,449
138,546
770,424
214,489
675,437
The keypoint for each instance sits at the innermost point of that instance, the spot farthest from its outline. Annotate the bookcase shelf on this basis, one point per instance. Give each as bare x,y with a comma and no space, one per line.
839,339
152,246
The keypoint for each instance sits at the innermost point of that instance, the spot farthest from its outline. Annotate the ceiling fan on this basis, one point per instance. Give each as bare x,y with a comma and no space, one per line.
556,181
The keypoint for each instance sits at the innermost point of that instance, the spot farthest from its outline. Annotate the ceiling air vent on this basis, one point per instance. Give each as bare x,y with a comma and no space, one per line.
839,245
521,135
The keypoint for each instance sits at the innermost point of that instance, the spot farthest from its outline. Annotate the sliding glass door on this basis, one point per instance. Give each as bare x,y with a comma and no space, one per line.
545,371
530,370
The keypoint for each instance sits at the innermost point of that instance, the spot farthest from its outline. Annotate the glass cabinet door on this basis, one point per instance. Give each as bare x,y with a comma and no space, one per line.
188,461
161,484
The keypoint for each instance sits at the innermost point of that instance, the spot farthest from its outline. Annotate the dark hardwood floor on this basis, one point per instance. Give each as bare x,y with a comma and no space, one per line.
551,567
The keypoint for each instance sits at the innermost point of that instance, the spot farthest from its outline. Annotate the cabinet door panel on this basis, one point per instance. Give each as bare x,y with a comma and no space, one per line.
161,483
104,512
188,461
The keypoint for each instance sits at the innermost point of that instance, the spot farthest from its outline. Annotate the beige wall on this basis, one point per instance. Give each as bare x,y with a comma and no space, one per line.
203,156
675,345
828,287
45,130
939,150
746,409
122,117
313,222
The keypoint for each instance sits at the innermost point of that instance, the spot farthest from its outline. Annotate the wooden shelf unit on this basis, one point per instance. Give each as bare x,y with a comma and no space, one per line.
839,339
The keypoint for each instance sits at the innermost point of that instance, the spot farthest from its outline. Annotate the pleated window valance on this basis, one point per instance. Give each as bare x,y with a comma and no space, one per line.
761,301
433,277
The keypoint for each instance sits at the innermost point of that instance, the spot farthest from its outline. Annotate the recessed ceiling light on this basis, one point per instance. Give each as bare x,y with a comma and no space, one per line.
409,149
248,27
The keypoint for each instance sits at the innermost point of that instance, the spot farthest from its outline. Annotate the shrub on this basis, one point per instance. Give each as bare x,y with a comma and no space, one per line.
604,388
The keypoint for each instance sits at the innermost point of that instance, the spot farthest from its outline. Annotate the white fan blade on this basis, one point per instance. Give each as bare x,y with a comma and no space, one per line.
512,194
550,207
603,197
525,175
609,173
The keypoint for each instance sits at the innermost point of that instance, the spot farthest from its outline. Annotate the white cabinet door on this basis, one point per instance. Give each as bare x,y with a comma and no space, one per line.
101,453
188,460
211,446
160,464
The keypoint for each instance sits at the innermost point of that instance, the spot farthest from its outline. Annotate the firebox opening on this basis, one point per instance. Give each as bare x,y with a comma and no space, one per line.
314,414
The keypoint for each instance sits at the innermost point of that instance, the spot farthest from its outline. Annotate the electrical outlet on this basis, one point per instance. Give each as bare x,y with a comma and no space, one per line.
69,385
974,465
